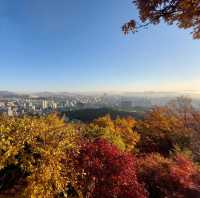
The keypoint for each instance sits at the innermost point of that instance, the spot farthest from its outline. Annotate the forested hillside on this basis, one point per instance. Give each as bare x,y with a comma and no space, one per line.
88,115
108,157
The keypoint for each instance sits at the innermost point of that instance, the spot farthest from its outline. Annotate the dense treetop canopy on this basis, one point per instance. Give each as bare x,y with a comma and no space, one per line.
158,156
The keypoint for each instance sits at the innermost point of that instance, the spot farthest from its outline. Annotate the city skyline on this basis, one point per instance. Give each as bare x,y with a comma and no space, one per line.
79,46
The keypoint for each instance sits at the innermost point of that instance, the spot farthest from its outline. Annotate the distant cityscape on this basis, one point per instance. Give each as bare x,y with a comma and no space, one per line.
13,104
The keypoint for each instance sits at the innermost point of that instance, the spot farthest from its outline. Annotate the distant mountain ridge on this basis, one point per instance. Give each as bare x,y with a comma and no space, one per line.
189,93
7,94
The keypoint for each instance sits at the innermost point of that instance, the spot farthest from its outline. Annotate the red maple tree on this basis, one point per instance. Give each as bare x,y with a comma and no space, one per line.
108,172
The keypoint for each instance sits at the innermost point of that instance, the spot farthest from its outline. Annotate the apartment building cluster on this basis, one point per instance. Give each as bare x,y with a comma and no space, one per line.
16,106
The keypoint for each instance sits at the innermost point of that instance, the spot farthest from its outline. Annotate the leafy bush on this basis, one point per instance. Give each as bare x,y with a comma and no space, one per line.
173,178
108,172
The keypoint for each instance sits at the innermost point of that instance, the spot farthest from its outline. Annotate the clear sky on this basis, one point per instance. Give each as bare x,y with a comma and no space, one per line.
77,45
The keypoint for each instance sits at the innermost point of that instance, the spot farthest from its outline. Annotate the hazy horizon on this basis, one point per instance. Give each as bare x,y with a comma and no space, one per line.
103,92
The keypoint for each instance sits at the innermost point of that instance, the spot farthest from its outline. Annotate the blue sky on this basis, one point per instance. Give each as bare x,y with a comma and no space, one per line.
76,45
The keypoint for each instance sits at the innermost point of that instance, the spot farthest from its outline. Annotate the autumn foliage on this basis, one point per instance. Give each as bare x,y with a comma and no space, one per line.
184,13
155,157
174,178
31,151
108,172
119,132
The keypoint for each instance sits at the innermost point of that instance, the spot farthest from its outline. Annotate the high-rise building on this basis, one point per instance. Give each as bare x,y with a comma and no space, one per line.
54,105
10,111
44,104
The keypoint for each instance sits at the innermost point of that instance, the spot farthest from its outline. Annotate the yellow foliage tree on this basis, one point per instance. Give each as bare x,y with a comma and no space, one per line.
38,146
120,132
